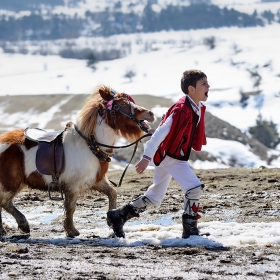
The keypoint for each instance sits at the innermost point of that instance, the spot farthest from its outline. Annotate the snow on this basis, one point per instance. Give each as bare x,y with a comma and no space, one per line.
164,232
229,151
158,72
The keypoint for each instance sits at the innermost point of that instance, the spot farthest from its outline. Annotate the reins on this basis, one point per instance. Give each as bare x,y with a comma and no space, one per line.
94,147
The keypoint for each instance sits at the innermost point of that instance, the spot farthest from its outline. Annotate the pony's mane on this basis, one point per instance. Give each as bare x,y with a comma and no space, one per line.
87,118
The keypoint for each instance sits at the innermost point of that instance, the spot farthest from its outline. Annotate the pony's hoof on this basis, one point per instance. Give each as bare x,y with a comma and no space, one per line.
73,233
24,228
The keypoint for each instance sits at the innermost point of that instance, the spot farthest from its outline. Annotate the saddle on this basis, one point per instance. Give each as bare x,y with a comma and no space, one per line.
50,154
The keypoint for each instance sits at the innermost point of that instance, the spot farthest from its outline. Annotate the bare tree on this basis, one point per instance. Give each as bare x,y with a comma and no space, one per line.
130,73
256,77
210,42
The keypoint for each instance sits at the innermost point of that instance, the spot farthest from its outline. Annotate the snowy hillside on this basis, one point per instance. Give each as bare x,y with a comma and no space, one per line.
238,57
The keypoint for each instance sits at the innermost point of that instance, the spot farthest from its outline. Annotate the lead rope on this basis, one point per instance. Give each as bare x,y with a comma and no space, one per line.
120,182
117,147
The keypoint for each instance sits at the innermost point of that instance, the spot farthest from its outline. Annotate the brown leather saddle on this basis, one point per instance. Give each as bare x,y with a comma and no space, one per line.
50,154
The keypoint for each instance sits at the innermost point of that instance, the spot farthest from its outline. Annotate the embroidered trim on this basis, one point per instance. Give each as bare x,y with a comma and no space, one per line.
195,107
146,158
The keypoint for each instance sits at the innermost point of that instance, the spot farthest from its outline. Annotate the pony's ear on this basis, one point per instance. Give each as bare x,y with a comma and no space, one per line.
107,94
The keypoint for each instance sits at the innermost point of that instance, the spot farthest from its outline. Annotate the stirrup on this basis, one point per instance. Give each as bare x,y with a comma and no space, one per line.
55,184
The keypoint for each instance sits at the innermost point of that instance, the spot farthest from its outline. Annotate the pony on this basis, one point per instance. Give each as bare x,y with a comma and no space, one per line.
106,117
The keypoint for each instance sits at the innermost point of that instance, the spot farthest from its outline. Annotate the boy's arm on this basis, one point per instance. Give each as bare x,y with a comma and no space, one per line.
151,146
158,136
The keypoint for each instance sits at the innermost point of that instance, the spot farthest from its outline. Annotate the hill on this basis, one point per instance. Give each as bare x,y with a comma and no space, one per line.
53,111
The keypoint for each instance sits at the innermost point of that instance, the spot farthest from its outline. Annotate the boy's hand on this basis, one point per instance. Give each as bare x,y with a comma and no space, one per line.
141,166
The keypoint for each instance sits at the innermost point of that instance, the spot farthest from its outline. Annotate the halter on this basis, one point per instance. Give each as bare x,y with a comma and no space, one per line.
94,146
113,108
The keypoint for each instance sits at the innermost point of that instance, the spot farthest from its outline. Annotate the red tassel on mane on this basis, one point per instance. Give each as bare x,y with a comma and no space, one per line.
129,97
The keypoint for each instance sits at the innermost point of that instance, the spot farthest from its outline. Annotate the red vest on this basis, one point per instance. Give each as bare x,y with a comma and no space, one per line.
184,133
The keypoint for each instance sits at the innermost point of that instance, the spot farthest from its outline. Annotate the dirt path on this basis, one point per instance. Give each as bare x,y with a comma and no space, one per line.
244,195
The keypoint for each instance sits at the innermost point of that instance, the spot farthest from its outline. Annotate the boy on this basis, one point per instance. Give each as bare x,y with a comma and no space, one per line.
181,129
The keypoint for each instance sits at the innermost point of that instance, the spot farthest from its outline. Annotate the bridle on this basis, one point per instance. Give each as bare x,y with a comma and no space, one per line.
113,108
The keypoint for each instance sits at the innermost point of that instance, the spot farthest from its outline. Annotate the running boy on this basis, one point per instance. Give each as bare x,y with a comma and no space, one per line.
181,129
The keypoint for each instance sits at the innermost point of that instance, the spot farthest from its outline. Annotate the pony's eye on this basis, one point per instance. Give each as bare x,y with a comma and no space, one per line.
123,104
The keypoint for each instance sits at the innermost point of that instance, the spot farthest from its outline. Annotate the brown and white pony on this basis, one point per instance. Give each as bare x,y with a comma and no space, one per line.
108,115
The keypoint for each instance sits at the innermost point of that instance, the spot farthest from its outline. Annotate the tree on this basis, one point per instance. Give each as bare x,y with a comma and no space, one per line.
210,42
150,19
268,15
266,132
91,61
130,73
256,77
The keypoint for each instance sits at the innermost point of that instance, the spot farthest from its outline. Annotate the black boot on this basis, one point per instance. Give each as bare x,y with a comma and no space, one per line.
117,218
189,225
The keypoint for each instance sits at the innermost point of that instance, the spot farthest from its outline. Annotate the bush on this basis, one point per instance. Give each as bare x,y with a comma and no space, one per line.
266,132
210,42
130,73
91,61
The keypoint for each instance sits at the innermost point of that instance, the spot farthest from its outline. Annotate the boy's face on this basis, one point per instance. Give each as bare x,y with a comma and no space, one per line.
200,92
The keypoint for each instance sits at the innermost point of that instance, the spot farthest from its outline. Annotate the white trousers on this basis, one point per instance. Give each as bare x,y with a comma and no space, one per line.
169,167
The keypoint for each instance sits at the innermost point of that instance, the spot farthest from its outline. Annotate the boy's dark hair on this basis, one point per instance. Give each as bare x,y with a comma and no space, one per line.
190,78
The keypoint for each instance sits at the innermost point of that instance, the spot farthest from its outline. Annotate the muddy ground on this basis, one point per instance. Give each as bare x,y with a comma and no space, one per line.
255,192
